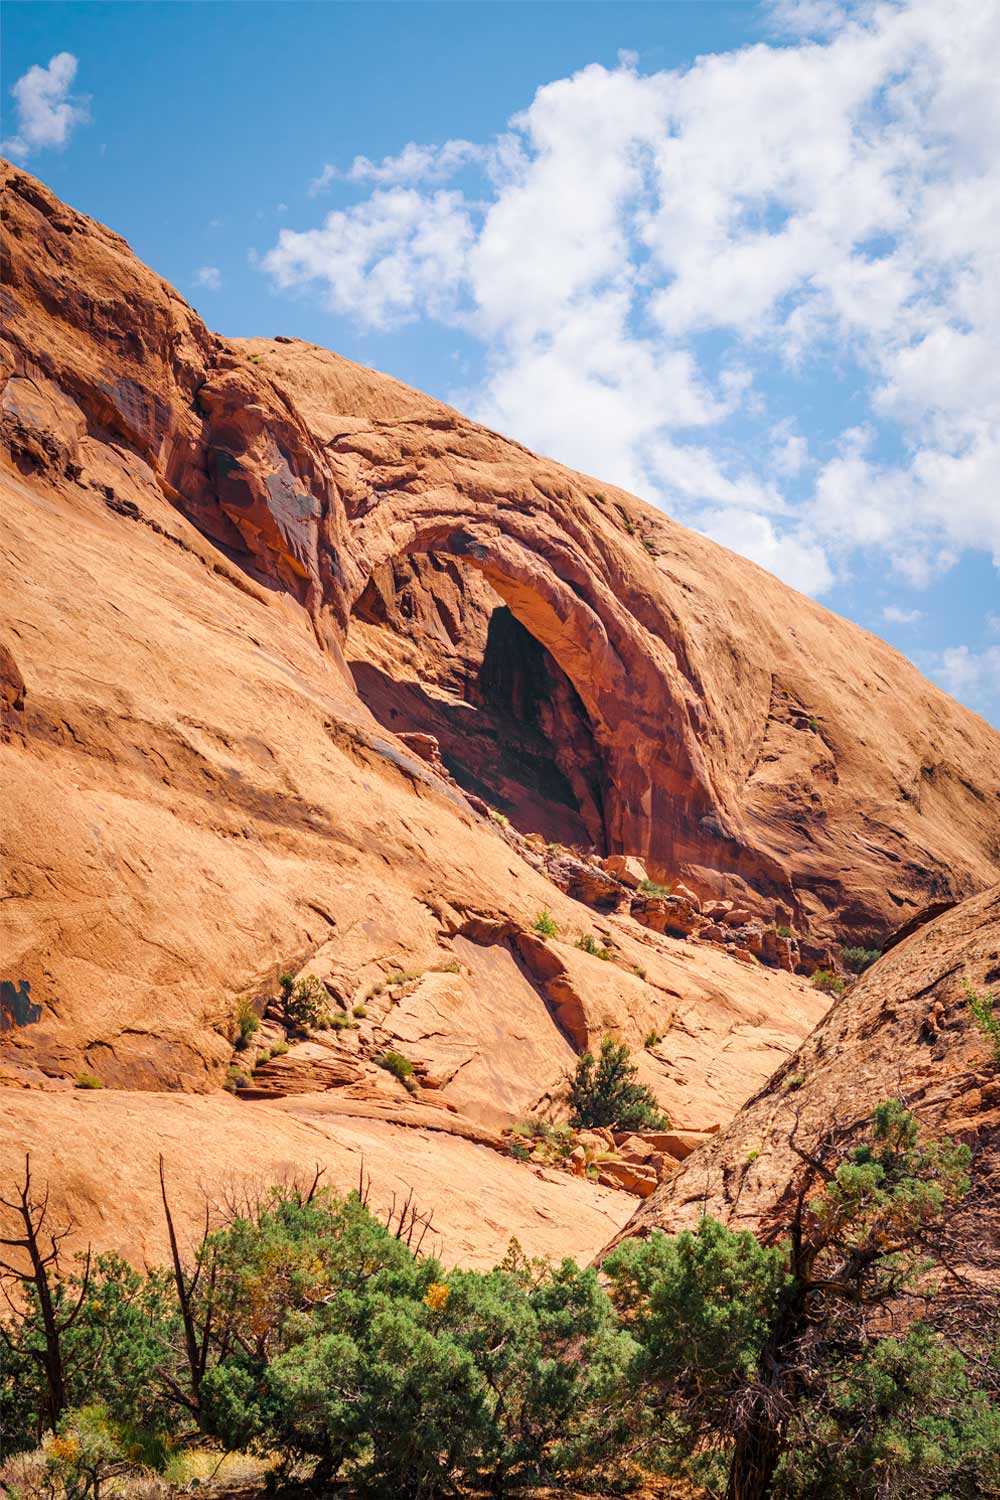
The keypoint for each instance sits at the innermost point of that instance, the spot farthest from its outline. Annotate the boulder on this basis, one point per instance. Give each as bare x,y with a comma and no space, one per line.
667,914
626,868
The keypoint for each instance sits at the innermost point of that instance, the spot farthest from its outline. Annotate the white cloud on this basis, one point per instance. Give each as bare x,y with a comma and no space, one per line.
415,163
396,255
972,676
209,276
792,558
46,112
894,614
992,623
789,450
829,208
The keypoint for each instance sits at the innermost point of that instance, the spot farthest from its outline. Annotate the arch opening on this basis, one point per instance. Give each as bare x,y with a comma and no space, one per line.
434,649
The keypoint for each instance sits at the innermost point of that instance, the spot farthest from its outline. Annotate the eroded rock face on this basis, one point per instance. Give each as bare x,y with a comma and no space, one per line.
904,1030
197,797
745,738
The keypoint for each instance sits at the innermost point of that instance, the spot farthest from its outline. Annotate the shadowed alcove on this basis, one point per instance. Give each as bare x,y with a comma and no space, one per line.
435,650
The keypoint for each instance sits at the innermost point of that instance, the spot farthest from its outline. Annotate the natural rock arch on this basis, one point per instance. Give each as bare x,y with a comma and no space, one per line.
653,794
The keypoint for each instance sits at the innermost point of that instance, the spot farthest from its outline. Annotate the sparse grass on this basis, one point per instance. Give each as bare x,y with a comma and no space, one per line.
236,1079
814,724
556,1141
88,1081
983,1013
359,1012
545,925
751,1156
340,1022
395,1063
640,972
652,1039
828,983
792,1082
650,547
499,817
859,959
245,1020
261,1059
589,944
279,1049
783,930
653,888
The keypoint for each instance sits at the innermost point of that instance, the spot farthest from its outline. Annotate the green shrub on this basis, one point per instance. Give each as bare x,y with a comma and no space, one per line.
360,1012
395,1063
279,1049
545,925
982,1008
604,1092
589,944
828,983
857,960
304,1002
246,1021
652,1039
88,1081
653,888
783,930
757,1383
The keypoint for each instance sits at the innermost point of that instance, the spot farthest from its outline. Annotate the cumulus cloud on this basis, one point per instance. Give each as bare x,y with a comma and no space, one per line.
46,112
209,276
972,676
645,258
894,614
399,254
414,163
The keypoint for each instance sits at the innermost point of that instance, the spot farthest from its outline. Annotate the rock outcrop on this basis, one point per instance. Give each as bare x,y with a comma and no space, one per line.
905,1030
289,655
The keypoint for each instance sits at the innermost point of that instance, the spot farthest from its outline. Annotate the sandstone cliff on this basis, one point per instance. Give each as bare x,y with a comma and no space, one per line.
245,583
906,1030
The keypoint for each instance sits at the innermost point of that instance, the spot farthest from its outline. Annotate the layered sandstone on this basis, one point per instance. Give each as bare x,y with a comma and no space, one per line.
278,632
905,1030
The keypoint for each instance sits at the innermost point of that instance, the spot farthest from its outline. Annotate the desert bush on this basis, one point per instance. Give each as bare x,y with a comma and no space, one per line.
653,888
857,960
545,925
828,983
88,1081
395,1063
246,1021
604,1092
304,1002
779,1370
589,944
983,1013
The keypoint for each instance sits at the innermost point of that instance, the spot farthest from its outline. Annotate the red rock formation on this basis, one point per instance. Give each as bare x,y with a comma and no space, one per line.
904,1030
204,542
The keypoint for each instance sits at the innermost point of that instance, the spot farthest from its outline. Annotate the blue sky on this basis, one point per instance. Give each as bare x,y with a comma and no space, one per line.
741,259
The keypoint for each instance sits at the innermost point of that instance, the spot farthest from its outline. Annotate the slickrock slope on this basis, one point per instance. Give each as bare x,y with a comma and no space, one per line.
905,1030
231,571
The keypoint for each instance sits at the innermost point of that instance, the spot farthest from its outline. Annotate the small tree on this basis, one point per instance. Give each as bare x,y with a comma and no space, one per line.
53,1306
304,1002
783,1368
604,1092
